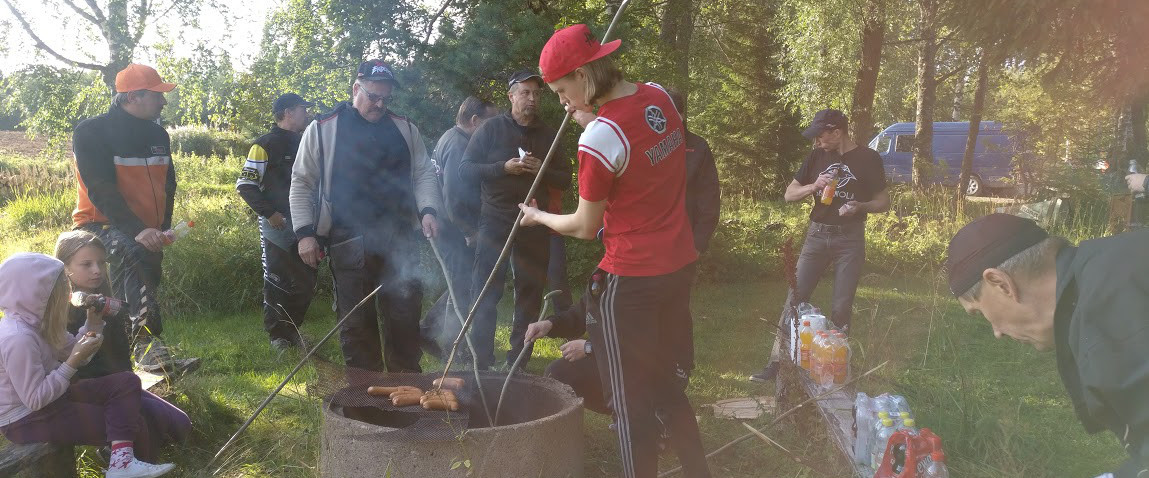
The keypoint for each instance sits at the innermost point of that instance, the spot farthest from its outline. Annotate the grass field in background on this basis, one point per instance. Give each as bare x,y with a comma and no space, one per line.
999,406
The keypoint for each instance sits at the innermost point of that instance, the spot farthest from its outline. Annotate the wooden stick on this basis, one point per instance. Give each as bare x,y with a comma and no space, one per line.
779,418
787,452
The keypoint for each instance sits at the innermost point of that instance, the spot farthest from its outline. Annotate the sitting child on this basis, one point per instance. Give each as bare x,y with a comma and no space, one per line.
85,263
38,358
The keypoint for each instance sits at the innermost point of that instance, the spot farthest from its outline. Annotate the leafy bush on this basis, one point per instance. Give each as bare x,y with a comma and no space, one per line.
203,141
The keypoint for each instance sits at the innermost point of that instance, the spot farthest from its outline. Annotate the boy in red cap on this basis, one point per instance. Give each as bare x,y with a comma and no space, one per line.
632,185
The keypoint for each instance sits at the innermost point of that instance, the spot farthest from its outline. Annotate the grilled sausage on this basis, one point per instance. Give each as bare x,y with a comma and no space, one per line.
440,404
387,391
405,400
454,383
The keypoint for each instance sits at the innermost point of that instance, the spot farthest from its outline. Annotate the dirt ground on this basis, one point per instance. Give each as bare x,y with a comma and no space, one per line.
16,142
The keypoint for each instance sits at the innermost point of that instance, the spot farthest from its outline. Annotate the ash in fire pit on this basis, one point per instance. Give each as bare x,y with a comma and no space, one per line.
539,434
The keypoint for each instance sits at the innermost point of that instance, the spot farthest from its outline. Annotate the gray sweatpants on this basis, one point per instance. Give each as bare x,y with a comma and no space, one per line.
845,248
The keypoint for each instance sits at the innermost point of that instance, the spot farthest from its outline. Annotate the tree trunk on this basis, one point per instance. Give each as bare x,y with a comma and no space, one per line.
974,127
959,96
677,28
927,91
873,37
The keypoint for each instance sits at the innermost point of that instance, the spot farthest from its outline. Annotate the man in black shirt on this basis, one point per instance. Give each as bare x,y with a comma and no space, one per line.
847,182
503,155
362,185
264,182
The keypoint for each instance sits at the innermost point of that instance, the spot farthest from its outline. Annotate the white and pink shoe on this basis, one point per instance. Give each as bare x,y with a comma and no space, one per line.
138,469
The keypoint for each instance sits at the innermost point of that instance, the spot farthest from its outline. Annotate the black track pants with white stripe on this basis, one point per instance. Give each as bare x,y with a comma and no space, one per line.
640,327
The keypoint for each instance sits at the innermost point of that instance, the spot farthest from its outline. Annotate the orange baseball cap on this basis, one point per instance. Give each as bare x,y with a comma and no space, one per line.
141,77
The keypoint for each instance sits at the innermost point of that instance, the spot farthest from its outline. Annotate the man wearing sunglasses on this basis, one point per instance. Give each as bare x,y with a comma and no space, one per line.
364,188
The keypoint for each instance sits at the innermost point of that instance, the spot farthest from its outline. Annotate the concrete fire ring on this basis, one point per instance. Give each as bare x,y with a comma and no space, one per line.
549,445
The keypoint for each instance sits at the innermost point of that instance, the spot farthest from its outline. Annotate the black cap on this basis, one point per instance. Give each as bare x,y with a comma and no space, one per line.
376,70
985,243
825,120
524,75
287,101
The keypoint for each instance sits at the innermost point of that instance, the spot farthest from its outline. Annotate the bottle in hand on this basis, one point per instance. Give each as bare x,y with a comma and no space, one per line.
828,191
178,232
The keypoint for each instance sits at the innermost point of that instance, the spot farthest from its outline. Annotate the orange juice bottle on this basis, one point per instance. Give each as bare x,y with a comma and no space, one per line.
828,191
805,343
821,365
840,358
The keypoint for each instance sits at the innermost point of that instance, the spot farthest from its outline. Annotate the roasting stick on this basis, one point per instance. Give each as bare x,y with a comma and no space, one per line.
527,200
289,376
471,346
523,354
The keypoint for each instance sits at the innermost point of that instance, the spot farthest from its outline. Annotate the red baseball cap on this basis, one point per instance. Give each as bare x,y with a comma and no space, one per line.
141,77
570,48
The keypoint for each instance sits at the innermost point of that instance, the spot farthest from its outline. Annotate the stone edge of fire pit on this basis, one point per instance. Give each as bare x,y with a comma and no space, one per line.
551,445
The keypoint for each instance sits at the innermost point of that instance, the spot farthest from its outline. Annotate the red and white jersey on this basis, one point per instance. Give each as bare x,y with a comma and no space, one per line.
634,157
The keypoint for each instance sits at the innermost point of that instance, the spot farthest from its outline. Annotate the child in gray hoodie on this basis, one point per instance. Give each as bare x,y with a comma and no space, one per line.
38,358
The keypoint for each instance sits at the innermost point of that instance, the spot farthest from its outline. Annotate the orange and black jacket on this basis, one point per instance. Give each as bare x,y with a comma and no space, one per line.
125,173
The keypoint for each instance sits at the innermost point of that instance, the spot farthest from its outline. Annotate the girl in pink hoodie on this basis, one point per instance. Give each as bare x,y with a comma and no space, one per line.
38,358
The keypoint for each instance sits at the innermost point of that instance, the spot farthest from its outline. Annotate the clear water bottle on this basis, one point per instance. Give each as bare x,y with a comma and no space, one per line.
899,403
937,467
178,232
863,427
884,431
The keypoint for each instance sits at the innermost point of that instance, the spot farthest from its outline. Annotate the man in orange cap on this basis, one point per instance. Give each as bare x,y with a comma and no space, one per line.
127,185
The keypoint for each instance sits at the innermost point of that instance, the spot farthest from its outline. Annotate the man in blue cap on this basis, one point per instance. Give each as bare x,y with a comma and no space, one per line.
364,187
847,182
264,183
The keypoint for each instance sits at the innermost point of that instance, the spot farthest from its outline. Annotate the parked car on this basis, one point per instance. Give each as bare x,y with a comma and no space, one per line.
992,159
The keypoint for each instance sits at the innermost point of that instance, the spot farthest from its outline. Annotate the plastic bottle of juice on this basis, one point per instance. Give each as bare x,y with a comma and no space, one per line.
805,344
881,439
828,191
179,231
816,357
841,358
823,375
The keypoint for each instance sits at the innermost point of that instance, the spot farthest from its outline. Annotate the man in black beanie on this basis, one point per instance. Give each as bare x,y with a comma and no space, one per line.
1089,303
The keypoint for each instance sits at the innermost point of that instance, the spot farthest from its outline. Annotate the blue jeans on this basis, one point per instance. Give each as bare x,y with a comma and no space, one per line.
844,247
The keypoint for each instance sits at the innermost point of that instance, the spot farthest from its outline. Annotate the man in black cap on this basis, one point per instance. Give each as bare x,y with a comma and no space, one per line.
264,183
362,186
847,182
503,156
1088,303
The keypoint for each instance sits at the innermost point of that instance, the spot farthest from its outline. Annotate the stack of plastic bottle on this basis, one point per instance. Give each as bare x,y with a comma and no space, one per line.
868,422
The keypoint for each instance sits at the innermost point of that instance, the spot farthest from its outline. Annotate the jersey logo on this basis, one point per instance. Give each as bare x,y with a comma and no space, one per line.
845,176
159,150
656,119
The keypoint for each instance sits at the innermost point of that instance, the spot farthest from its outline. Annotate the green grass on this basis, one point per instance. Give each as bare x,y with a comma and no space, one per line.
998,405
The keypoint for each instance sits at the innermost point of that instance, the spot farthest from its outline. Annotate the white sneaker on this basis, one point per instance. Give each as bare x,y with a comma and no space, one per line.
139,469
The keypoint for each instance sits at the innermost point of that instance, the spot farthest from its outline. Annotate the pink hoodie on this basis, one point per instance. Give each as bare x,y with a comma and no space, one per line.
32,374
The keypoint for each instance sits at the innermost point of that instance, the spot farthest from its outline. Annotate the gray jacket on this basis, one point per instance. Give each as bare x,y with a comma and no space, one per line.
310,204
